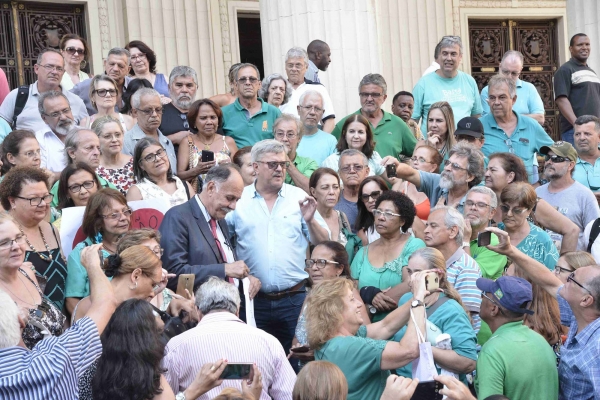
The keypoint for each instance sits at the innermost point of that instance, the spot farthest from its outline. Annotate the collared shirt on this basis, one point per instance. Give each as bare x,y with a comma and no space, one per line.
291,107
430,185
223,335
490,263
306,166
392,136
53,150
272,243
312,73
526,140
30,117
52,368
528,100
318,146
587,174
463,272
246,131
224,242
136,133
579,368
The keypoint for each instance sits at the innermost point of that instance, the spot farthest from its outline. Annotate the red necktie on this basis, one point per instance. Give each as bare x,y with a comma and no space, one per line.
213,229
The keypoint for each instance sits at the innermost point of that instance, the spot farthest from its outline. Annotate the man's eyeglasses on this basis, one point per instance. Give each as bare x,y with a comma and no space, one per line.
312,108
8,243
572,279
116,215
514,74
50,68
105,92
32,153
151,111
386,214
86,185
421,160
57,114
348,168
555,159
454,165
373,195
319,263
515,210
36,201
366,95
275,164
508,142
153,156
74,50
245,79
281,135
480,205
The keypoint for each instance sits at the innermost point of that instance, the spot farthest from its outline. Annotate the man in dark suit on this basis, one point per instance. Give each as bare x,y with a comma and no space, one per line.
195,237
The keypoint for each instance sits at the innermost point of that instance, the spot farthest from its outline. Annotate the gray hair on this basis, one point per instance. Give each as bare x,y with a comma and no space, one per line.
267,146
474,158
10,331
289,117
72,141
244,65
48,50
50,95
219,174
594,286
513,54
449,41
119,51
453,218
297,52
137,96
497,80
263,92
488,191
373,79
584,119
311,93
350,153
217,294
182,70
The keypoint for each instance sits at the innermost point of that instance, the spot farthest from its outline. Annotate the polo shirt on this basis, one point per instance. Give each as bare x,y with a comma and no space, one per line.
305,165
392,136
30,117
491,263
136,133
246,131
461,92
518,363
318,146
462,272
587,174
526,140
580,84
528,100
103,182
52,149
430,185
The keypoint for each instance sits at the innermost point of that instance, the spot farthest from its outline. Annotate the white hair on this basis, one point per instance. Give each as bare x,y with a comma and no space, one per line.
267,146
10,331
453,218
217,294
310,93
488,191
137,96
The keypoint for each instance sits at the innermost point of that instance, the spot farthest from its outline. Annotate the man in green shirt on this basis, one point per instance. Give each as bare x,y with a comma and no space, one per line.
516,362
392,136
287,131
249,119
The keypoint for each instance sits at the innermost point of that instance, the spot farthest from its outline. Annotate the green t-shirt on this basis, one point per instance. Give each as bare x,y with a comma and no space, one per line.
491,263
305,165
78,283
103,183
247,131
518,363
392,136
359,358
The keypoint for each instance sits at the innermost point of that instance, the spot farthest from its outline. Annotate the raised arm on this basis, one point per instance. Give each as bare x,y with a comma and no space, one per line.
551,218
404,171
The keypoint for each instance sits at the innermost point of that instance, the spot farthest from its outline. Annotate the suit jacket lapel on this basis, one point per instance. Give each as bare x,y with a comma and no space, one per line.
205,229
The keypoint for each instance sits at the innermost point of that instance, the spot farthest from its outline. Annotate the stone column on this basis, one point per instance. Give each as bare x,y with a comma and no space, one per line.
583,16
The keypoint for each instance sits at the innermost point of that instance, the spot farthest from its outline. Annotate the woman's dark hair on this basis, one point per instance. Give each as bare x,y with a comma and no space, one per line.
195,109
64,201
237,158
512,163
340,255
404,206
12,145
369,146
16,178
365,219
148,52
319,173
140,146
73,36
93,222
132,349
133,86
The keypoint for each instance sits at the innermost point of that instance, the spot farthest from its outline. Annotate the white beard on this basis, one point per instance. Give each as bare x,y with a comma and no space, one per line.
62,130
446,183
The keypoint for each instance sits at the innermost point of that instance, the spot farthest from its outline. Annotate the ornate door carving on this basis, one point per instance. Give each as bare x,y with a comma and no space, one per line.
536,40
27,28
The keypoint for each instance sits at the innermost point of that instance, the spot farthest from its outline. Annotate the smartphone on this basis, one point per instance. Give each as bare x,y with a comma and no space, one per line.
185,281
484,238
207,156
432,281
428,390
301,349
238,371
391,170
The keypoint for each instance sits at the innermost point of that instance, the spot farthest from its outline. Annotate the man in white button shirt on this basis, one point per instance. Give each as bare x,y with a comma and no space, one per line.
56,112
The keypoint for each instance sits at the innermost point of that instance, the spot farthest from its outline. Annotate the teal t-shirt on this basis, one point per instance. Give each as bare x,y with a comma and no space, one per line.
461,92
246,131
538,245
78,283
318,146
359,358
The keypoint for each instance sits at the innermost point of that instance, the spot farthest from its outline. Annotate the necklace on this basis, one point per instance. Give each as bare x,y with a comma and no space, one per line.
207,145
44,257
30,295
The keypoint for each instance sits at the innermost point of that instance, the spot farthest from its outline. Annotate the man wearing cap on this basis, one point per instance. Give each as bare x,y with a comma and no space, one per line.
516,361
579,302
568,196
470,130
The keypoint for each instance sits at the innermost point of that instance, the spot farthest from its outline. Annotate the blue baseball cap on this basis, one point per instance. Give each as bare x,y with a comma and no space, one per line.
510,292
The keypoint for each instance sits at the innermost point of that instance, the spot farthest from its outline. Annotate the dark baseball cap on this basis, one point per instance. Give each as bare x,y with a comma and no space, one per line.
469,126
510,292
563,149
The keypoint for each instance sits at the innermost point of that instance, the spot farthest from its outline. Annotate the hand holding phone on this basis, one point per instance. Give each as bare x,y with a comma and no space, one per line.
484,238
238,371
185,281
390,169
432,281
207,156
428,390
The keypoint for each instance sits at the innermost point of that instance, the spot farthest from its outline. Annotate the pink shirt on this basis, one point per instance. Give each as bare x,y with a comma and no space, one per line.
4,88
223,335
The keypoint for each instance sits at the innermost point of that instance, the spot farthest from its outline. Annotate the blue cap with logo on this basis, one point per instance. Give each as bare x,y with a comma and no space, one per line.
510,292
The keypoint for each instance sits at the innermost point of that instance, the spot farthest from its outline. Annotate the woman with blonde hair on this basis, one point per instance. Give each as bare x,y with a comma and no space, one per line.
570,261
103,96
320,380
440,128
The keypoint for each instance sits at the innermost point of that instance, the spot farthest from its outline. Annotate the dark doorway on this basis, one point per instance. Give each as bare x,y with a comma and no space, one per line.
250,40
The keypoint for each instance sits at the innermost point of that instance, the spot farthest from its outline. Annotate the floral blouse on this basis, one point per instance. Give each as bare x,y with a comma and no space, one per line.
122,178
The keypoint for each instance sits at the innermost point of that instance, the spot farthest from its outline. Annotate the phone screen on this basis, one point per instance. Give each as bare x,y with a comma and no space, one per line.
429,390
391,170
484,239
237,371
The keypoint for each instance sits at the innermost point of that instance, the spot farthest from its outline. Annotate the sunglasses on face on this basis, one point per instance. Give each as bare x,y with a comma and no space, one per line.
274,164
74,50
555,159
515,210
373,195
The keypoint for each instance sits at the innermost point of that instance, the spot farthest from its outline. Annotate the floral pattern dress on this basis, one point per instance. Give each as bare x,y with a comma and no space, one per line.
538,245
122,178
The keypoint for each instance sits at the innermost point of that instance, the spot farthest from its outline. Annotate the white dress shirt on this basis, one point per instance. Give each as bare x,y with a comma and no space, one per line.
53,150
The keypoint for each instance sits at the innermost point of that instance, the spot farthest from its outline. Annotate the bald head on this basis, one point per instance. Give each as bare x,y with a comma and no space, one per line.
319,53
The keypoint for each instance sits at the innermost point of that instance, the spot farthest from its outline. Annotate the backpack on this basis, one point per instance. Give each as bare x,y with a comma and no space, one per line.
593,234
22,96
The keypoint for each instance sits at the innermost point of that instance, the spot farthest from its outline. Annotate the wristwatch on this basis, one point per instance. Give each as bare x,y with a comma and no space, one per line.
180,396
466,244
416,303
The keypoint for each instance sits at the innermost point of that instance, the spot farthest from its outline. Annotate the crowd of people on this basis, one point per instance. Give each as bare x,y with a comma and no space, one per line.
448,248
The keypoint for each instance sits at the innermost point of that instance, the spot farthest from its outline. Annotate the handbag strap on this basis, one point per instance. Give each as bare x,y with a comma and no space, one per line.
436,305
420,336
194,181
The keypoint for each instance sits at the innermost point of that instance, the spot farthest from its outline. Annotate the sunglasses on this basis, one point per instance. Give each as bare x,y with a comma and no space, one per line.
556,159
373,195
515,210
74,50
275,164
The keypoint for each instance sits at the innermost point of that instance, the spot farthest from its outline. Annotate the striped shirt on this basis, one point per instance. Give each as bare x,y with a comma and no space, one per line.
52,368
223,335
463,272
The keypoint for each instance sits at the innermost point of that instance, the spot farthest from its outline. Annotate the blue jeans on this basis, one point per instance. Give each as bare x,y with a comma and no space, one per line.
567,136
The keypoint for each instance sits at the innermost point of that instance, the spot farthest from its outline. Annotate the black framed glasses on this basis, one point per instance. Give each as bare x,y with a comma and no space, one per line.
36,201
186,124
515,210
87,185
75,50
153,156
453,165
572,279
559,270
555,159
373,195
320,263
106,92
275,164
116,215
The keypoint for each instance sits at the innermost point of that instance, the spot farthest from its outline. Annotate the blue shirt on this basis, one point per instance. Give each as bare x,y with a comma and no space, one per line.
587,174
136,133
273,244
430,185
318,146
528,100
579,368
526,140
52,368
77,283
462,272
